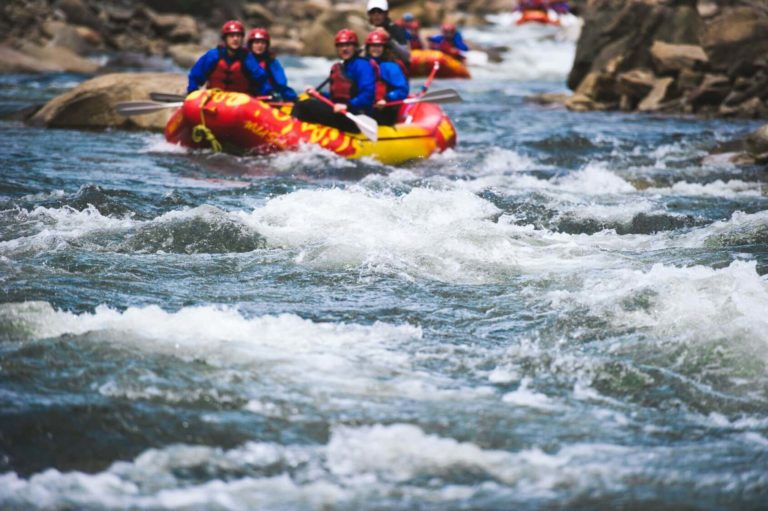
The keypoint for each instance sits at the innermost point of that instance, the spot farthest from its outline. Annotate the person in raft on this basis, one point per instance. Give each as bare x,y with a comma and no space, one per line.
276,84
391,82
352,88
412,27
378,16
229,66
449,41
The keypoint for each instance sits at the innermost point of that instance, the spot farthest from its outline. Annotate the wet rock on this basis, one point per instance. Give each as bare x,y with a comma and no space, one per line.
92,103
756,142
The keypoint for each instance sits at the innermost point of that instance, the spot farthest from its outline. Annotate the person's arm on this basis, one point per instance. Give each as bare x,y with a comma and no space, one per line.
362,73
435,41
281,81
394,77
459,43
401,51
254,72
202,69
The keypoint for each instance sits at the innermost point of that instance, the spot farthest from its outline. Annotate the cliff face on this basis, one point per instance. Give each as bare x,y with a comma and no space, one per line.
706,57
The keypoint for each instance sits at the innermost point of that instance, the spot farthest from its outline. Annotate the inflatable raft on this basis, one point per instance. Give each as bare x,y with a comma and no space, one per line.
548,17
422,62
238,123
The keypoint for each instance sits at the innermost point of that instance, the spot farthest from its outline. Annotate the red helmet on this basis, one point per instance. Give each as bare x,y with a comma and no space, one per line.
377,37
346,35
448,27
232,27
258,34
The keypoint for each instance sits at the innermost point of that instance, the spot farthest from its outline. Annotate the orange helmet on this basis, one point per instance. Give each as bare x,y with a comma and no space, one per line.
258,34
232,27
346,35
448,27
377,37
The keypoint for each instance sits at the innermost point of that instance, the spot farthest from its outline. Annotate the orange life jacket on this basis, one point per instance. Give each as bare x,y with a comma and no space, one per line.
229,76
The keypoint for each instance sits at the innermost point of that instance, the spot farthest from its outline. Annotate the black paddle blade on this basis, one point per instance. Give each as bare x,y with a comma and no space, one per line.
166,97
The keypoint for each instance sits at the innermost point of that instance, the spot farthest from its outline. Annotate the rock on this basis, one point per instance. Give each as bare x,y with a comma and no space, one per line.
660,93
689,79
548,98
738,34
78,39
78,13
672,58
37,59
185,55
753,108
14,61
580,103
258,15
318,39
636,83
713,89
91,104
757,142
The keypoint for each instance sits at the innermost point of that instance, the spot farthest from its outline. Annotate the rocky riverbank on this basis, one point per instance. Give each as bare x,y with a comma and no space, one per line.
90,36
705,57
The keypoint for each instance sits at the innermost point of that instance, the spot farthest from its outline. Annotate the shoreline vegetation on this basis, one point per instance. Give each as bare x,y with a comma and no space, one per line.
671,57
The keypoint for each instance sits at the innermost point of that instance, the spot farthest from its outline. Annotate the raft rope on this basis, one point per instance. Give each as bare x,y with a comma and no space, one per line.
202,131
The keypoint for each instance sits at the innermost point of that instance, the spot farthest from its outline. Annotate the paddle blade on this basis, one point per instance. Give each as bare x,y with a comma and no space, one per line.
166,97
143,107
438,96
368,126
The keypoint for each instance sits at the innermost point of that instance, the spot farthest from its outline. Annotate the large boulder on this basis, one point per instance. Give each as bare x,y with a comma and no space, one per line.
92,103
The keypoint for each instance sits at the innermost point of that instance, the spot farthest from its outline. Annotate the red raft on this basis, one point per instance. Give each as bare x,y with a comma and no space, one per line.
422,62
238,123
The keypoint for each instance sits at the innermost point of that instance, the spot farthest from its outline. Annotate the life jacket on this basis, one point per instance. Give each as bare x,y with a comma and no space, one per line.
342,88
229,76
381,85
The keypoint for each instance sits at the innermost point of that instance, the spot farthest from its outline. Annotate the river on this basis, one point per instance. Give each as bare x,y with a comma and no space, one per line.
568,311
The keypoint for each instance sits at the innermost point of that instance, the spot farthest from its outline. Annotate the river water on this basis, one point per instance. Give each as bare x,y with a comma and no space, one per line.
567,311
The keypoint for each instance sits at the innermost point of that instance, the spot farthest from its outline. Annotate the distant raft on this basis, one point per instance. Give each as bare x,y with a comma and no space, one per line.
422,62
548,17
238,123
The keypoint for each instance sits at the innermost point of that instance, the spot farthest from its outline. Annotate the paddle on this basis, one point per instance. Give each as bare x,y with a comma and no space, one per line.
437,96
166,97
143,107
369,127
431,77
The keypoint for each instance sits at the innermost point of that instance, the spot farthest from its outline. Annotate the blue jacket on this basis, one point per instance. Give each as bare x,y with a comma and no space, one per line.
457,41
361,72
397,83
276,82
205,65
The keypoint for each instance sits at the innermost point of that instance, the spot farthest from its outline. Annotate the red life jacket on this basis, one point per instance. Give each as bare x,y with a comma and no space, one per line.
448,48
342,89
229,76
381,86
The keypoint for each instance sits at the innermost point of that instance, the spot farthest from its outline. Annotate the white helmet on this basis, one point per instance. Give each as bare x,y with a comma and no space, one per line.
378,4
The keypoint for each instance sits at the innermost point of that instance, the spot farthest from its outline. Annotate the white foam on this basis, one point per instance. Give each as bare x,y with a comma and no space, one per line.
52,228
524,396
685,303
156,143
446,235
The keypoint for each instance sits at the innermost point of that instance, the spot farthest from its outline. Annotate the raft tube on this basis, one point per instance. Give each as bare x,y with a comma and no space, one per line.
422,62
550,17
238,123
